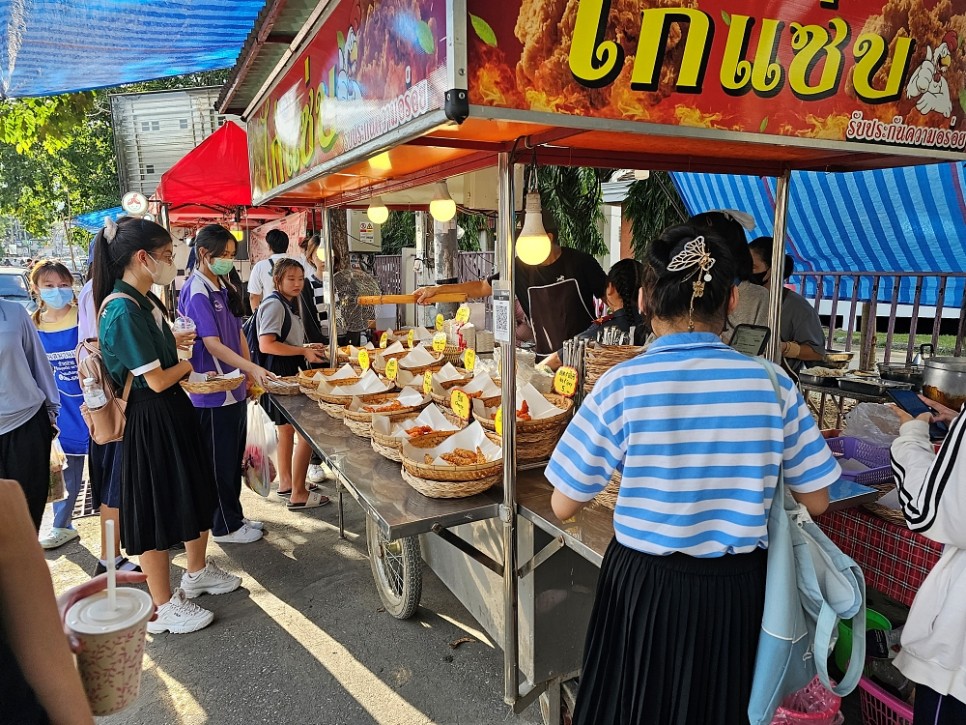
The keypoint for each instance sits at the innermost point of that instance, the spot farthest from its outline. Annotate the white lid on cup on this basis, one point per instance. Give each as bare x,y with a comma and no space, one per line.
94,615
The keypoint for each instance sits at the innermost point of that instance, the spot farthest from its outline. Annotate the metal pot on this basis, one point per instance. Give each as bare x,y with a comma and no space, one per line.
944,380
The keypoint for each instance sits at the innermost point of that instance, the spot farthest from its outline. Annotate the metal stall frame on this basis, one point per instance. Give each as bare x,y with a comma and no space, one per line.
454,137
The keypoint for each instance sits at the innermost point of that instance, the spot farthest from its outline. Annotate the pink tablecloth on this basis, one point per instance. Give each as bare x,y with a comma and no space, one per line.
894,559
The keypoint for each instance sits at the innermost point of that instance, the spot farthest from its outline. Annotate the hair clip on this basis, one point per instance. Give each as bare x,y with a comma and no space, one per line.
110,229
694,254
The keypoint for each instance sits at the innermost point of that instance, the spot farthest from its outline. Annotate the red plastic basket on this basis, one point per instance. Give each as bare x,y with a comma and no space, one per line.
881,708
869,454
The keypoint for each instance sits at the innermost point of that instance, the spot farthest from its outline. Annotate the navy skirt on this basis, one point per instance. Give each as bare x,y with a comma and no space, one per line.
672,639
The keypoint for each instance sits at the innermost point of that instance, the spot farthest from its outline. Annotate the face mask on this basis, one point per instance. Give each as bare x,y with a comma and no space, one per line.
220,266
760,278
163,274
57,298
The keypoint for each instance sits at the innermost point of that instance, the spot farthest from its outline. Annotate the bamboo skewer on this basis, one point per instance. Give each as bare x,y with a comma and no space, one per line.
410,299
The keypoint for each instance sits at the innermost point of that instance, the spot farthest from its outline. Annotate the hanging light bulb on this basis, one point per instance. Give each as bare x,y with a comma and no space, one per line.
533,244
377,211
236,230
442,207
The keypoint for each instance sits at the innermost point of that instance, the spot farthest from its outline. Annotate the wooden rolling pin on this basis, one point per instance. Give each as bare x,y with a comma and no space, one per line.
410,299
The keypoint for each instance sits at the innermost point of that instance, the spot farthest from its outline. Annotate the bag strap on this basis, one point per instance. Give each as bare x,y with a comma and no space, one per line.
116,296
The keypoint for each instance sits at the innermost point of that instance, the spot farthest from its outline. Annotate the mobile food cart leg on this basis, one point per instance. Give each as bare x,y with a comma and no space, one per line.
397,568
778,266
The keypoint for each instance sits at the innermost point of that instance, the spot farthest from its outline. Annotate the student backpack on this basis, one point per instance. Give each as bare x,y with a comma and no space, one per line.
250,328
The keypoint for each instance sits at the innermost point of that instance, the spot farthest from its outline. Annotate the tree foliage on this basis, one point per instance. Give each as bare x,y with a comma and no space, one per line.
652,205
572,195
399,231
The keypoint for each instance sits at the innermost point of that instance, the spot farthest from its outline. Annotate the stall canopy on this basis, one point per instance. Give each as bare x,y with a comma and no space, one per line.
910,219
92,221
60,46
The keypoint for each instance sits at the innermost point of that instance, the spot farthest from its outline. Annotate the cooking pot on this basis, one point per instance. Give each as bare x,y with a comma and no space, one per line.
944,380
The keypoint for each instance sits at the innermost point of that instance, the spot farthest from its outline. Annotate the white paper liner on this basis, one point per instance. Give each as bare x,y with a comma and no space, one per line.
394,348
203,377
448,372
354,351
417,357
471,438
538,406
409,398
368,383
483,383
431,415
420,333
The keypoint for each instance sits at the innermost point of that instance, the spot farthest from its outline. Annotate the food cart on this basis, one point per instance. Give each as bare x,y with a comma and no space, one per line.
377,96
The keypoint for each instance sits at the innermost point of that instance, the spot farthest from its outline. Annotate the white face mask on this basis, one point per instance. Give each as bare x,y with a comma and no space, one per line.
164,272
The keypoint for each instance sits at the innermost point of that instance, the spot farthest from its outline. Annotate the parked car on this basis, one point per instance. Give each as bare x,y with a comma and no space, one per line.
15,287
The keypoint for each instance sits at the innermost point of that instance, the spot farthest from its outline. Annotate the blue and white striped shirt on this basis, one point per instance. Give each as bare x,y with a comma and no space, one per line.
697,429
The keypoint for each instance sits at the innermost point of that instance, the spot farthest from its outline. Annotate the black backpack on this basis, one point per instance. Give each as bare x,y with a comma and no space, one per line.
250,328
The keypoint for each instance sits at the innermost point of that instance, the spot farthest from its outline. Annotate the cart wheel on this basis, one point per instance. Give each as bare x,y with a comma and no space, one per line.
397,567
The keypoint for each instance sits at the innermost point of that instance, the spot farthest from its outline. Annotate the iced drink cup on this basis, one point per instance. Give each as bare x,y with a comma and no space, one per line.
184,324
113,646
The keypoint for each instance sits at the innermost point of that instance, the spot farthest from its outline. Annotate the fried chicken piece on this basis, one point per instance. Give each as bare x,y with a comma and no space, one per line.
419,430
524,412
385,408
463,457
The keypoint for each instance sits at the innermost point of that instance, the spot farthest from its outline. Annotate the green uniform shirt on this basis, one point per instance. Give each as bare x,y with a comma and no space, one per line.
135,338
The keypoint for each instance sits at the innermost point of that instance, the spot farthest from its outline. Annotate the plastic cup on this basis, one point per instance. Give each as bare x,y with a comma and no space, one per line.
113,646
184,324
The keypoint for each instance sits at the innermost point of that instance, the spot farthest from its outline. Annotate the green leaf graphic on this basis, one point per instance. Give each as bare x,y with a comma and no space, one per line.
726,17
764,125
340,38
962,99
424,34
483,30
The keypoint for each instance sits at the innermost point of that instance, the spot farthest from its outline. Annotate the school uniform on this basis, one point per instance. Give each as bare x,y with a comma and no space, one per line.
699,435
223,417
270,320
167,483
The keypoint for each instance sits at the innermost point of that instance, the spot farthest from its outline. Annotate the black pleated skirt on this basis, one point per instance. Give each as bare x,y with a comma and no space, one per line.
283,365
672,639
167,485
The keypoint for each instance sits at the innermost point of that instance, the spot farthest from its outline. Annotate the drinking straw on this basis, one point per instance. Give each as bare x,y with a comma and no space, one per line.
111,573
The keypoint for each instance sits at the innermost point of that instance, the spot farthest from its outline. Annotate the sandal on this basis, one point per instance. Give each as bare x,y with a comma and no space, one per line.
310,487
314,501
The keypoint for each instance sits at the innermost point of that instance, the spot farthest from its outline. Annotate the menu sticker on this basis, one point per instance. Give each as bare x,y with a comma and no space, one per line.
565,381
392,368
439,321
364,361
439,342
469,359
498,421
411,338
428,382
463,314
460,403
383,340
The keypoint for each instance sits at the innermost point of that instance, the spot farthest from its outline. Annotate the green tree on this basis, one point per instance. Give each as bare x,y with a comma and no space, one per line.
399,231
652,205
572,195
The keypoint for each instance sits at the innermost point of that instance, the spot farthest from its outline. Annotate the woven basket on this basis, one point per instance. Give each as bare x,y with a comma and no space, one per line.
360,421
306,378
392,454
893,516
536,439
598,359
453,355
608,497
436,365
333,410
395,444
453,474
449,489
219,385
275,389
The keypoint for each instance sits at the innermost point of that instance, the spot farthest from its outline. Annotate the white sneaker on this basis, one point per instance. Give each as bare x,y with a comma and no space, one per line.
180,616
58,537
244,534
210,580
258,525
316,474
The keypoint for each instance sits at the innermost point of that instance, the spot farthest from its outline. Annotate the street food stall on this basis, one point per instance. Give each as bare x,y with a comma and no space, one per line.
374,97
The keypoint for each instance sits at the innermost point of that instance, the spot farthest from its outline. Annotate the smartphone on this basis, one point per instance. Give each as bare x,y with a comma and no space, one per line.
750,339
913,405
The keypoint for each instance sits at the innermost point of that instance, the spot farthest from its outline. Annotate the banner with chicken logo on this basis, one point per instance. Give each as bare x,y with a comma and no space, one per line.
373,66
885,72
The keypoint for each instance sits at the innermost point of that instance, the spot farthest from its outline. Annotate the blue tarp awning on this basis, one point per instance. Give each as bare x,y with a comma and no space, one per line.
92,221
61,46
910,219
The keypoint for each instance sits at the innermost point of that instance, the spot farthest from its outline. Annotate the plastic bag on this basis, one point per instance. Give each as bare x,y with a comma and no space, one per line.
873,422
257,464
812,705
56,489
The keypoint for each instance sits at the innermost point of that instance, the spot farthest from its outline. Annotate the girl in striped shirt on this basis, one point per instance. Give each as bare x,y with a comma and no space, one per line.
700,436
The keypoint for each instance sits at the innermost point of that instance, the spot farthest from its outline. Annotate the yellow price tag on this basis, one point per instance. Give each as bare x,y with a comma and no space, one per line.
392,368
439,321
364,361
498,421
428,382
460,403
411,338
463,314
469,359
383,340
565,381
439,341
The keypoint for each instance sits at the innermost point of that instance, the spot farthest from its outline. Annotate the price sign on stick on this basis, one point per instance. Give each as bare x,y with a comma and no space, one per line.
383,340
439,341
469,359
392,368
463,314
428,382
439,321
565,381
411,338
460,403
498,421
364,361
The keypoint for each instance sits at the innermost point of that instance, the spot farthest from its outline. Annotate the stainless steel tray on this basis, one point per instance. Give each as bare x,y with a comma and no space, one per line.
870,386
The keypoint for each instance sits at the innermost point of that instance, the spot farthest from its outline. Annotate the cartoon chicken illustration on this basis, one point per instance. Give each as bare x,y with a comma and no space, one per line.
928,82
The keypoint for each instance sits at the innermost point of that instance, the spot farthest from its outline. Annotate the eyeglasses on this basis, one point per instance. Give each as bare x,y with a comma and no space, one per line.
166,259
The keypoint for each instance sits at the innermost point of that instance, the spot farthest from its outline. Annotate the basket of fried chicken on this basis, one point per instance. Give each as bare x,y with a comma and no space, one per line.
463,463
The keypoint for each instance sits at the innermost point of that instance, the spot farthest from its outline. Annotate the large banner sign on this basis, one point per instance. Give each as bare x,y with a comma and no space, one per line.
887,72
373,66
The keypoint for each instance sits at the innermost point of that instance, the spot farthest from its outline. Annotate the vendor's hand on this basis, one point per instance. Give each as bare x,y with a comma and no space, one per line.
92,586
258,375
941,412
313,356
184,339
425,295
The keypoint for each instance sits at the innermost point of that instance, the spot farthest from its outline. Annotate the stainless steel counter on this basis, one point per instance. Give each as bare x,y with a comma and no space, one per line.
374,482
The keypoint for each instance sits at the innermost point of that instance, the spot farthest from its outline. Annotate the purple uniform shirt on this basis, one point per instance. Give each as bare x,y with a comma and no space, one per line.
208,307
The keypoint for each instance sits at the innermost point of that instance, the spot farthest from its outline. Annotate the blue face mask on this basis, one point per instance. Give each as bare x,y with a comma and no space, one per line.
57,298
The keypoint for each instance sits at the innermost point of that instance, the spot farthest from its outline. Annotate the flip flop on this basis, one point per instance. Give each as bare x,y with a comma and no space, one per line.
310,487
315,500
